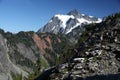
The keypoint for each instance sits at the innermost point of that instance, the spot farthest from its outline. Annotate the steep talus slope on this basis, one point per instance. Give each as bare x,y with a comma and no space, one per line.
54,44
96,53
41,45
28,52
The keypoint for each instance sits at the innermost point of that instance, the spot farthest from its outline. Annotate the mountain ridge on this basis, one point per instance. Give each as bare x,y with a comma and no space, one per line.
96,56
60,23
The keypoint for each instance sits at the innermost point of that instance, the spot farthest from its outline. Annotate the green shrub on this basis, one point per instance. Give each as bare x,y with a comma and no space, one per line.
16,76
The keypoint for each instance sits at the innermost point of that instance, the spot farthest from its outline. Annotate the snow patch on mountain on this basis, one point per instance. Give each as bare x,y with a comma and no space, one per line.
91,16
82,20
50,21
83,14
99,20
78,24
64,19
53,28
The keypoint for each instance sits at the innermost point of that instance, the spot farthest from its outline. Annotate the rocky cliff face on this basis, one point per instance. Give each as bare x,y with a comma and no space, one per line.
96,53
27,52
66,23
6,66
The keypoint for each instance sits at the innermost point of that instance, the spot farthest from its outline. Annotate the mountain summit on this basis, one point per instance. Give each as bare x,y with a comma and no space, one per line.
60,23
75,13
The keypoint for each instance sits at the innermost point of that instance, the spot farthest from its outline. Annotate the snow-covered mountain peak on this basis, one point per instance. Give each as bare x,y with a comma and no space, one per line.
60,23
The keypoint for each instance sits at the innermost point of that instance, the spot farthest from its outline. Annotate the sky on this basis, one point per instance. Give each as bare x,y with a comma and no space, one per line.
31,15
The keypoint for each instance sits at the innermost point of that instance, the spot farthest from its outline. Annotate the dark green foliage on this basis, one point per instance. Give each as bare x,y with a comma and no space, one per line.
21,37
36,70
113,16
16,76
90,27
52,54
66,54
1,31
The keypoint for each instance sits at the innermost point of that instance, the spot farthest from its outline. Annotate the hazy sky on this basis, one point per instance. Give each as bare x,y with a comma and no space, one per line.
25,15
